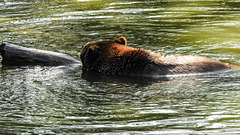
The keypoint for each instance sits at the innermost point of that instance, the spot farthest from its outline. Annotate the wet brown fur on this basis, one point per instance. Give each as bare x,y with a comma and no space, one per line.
114,57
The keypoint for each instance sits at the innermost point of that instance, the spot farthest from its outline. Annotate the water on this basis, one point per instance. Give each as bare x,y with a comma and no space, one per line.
65,100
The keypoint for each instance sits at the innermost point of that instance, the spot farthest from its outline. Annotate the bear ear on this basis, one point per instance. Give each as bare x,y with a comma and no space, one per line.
121,40
93,49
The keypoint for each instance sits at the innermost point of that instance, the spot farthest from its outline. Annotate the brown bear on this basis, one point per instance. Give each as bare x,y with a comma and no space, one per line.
115,57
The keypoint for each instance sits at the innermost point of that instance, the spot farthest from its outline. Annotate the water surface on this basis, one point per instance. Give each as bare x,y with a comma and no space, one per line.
65,100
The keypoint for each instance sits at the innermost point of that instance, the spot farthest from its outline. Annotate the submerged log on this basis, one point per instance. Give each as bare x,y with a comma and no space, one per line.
18,56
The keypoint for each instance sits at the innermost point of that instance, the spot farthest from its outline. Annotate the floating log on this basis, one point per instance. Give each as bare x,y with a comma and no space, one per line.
18,56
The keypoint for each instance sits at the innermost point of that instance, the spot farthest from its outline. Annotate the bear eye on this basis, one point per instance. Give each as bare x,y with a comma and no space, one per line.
114,48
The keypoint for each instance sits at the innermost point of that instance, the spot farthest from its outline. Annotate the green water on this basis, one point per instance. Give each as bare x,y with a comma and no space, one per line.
65,100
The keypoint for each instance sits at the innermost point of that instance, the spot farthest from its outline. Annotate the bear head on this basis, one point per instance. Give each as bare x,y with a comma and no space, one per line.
97,55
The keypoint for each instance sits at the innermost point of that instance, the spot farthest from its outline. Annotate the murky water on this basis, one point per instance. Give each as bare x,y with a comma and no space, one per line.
64,100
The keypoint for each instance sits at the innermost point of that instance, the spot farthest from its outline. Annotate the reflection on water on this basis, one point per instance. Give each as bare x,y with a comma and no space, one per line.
65,100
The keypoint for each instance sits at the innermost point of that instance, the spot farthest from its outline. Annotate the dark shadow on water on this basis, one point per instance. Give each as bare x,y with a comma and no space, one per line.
140,80
143,81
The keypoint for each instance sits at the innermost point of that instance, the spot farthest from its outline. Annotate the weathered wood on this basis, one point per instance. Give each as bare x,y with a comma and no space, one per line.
17,55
